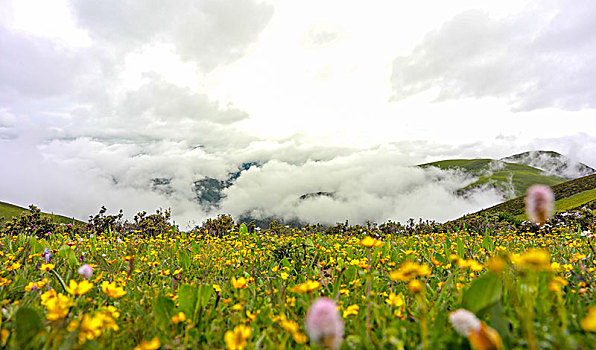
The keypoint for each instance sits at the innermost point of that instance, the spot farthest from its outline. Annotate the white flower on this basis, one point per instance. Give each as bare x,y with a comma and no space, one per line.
464,322
85,270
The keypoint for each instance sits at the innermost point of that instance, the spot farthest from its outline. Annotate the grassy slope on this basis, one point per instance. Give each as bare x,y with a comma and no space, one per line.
8,210
562,191
571,202
519,175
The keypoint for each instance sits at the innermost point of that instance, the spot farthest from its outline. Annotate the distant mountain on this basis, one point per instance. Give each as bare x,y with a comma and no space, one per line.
552,163
511,179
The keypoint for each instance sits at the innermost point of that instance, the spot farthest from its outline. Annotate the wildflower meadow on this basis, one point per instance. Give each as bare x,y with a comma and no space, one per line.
356,287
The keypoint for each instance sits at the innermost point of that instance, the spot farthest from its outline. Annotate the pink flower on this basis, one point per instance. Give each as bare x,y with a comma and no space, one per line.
85,270
323,323
539,203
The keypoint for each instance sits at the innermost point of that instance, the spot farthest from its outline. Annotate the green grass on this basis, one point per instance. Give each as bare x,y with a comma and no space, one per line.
7,211
513,177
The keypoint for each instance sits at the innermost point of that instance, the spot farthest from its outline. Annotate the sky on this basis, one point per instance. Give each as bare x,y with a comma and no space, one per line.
97,99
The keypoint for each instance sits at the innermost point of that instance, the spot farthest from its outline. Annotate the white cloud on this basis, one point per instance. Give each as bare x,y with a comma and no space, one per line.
541,57
210,33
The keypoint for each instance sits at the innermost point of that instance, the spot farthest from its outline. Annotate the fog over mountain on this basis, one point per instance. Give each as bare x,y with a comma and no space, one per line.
552,163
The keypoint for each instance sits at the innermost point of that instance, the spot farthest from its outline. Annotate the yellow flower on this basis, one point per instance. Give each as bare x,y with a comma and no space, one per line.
415,286
239,283
351,310
251,316
180,317
47,267
75,288
589,322
557,283
409,270
57,306
237,339
370,242
299,338
497,264
152,344
395,300
284,275
111,290
217,288
305,287
14,266
4,281
535,259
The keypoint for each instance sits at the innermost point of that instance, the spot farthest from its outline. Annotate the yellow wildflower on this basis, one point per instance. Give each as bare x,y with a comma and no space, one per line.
180,317
237,339
395,300
370,242
351,310
535,259
306,287
409,270
57,306
415,286
47,267
75,288
111,290
239,283
152,344
589,322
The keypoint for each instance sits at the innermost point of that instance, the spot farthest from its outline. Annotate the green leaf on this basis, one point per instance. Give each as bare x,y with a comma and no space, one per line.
309,243
36,247
205,292
483,293
184,259
28,325
460,248
243,229
163,310
488,244
188,297
72,260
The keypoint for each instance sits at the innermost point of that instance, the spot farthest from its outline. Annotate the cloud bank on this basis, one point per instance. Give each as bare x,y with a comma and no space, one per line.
541,57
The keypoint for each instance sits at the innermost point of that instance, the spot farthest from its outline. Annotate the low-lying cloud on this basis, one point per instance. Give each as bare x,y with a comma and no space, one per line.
76,177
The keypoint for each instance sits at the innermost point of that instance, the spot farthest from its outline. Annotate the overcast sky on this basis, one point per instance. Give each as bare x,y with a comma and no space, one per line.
97,98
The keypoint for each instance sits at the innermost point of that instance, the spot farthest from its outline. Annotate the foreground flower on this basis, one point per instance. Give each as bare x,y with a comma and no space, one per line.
323,324
239,283
589,322
57,305
75,288
85,270
535,259
238,338
47,267
152,344
539,203
481,336
111,290
395,300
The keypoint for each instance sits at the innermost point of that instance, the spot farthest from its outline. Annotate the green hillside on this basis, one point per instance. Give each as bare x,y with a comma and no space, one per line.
512,179
8,210
570,194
